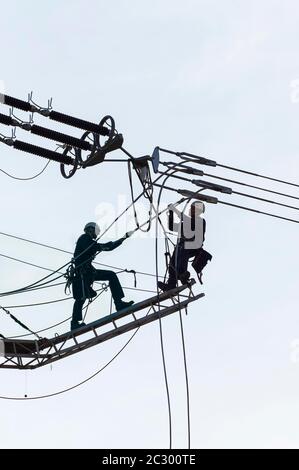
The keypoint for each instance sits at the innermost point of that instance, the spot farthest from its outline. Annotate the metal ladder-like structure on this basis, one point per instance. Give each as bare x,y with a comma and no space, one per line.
31,354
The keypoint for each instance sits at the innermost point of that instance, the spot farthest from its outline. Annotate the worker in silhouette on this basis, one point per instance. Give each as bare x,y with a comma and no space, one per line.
191,233
85,274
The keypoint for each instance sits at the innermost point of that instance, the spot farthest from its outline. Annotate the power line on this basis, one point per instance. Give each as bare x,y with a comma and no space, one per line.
65,251
62,274
60,300
71,298
26,179
186,169
160,320
266,200
186,379
59,249
46,277
204,161
251,186
50,395
259,212
231,191
56,324
216,201
258,175
29,264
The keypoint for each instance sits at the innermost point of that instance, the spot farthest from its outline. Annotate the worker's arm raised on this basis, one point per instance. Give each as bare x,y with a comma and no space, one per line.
172,208
112,245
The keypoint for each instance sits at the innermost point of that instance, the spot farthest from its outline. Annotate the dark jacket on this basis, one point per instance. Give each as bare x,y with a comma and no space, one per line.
85,251
87,248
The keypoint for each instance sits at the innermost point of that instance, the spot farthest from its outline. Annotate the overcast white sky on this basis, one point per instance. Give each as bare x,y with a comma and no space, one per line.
211,77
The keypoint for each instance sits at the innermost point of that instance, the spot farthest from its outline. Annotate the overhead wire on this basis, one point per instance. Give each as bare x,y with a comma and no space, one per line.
37,304
160,326
26,179
56,324
242,207
203,160
160,322
65,251
239,193
251,186
28,263
258,212
79,384
182,332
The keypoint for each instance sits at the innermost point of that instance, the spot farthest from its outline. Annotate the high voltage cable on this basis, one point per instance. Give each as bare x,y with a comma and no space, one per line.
70,298
252,186
100,291
66,264
185,168
270,201
217,201
204,161
258,175
160,322
69,252
38,283
160,326
30,264
64,251
63,321
50,395
61,267
258,212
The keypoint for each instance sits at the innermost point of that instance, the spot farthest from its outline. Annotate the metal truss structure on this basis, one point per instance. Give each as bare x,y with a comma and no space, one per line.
31,354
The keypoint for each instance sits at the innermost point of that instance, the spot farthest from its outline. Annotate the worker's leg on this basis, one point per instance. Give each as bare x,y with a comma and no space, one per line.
115,287
77,310
172,269
178,266
182,260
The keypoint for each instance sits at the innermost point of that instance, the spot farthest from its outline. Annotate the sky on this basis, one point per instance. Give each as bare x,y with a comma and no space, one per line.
215,78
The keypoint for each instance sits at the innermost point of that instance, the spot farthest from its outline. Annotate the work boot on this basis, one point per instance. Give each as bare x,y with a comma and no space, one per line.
184,277
121,305
75,325
92,293
164,286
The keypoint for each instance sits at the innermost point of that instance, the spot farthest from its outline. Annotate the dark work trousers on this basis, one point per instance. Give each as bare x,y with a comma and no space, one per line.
99,275
179,262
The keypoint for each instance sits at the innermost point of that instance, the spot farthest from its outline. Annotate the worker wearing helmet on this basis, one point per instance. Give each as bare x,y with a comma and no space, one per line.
85,274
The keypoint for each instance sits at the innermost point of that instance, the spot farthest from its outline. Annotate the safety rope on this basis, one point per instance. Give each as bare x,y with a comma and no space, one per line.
147,229
129,271
19,322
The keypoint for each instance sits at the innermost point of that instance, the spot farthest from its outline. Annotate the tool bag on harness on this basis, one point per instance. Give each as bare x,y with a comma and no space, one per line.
80,280
200,261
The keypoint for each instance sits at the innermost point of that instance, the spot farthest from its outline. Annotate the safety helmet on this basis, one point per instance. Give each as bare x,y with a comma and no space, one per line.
93,225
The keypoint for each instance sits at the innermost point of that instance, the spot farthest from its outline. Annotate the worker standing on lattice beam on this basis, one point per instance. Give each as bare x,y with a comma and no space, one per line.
191,234
85,274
